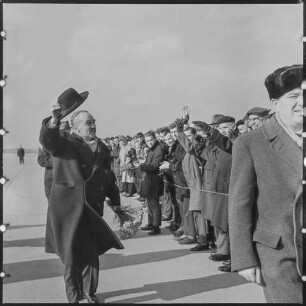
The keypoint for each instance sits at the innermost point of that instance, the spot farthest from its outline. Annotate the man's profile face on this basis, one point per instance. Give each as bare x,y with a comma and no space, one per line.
150,140
225,127
290,107
159,136
174,133
86,127
169,140
189,135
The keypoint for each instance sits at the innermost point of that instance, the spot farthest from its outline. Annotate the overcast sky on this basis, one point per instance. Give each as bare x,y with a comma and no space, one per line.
142,63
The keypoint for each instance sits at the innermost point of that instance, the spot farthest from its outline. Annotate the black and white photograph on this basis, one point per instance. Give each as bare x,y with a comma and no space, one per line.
152,153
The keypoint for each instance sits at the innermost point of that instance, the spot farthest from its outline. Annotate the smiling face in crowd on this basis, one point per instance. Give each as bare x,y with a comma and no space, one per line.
190,135
225,127
150,140
290,108
174,133
169,140
256,121
85,126
242,128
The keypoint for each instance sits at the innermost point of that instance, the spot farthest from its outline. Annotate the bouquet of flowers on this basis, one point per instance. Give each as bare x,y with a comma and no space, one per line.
129,219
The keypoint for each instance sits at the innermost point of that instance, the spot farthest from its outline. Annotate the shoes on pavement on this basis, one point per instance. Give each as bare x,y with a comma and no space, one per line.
200,247
225,268
166,218
226,262
180,237
147,227
187,240
177,233
218,257
154,231
91,298
140,199
135,195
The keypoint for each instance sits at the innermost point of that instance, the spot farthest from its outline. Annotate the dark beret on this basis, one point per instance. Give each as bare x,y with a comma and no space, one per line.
283,80
260,111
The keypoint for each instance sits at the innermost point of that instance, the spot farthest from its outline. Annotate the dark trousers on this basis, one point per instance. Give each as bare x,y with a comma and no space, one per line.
82,278
175,194
166,204
154,212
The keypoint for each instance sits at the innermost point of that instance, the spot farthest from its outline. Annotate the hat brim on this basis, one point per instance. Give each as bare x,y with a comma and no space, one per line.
65,113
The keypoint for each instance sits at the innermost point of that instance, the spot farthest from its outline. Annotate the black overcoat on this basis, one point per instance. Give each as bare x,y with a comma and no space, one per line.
81,181
151,182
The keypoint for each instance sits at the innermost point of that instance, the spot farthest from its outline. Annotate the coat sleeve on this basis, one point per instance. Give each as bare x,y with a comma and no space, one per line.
185,143
45,159
242,197
157,159
113,192
221,141
50,137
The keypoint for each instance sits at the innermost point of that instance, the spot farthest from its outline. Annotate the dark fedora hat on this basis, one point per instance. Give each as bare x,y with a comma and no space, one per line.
70,100
216,118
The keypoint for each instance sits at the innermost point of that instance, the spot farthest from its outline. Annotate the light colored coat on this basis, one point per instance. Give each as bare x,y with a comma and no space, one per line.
193,174
265,210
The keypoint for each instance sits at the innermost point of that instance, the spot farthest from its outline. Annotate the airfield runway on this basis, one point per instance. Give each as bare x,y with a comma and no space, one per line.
149,270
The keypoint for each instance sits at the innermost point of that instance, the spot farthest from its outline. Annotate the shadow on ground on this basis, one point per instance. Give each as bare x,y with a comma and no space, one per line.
40,269
169,291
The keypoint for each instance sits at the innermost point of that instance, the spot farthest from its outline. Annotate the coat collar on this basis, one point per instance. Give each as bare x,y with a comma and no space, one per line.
281,143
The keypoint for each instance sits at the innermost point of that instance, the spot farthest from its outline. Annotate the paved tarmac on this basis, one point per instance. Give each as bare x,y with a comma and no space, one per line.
149,270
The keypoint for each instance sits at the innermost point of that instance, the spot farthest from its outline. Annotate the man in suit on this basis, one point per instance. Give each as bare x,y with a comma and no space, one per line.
82,178
265,196
152,183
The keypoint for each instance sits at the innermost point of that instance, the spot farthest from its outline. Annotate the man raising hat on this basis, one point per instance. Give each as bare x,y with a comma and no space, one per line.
82,178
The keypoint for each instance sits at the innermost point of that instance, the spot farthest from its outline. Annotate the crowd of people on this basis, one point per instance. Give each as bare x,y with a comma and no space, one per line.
181,175
229,186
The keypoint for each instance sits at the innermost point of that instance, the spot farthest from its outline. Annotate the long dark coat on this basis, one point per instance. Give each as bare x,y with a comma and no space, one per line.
177,154
265,210
45,160
81,181
151,182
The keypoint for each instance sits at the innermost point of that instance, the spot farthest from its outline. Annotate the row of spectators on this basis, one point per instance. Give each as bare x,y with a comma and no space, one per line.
191,175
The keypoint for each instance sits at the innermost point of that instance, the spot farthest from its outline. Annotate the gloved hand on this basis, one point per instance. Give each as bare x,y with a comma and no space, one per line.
232,134
186,119
180,125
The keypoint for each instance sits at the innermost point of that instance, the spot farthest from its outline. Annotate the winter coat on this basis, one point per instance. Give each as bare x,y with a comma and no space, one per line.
151,182
266,209
81,181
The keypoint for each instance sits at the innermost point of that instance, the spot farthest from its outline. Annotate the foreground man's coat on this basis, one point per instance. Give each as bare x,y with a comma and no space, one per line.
265,210
81,181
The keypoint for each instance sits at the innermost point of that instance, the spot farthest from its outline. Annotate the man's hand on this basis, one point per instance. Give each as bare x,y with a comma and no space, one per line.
55,110
180,124
164,165
252,275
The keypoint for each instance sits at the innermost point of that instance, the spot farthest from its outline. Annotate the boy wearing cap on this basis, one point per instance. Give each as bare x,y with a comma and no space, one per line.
265,197
256,116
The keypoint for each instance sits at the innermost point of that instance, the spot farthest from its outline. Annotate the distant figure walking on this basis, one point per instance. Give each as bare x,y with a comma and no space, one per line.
21,153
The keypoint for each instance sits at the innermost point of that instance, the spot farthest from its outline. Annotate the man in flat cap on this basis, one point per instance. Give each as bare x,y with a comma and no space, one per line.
265,203
256,116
